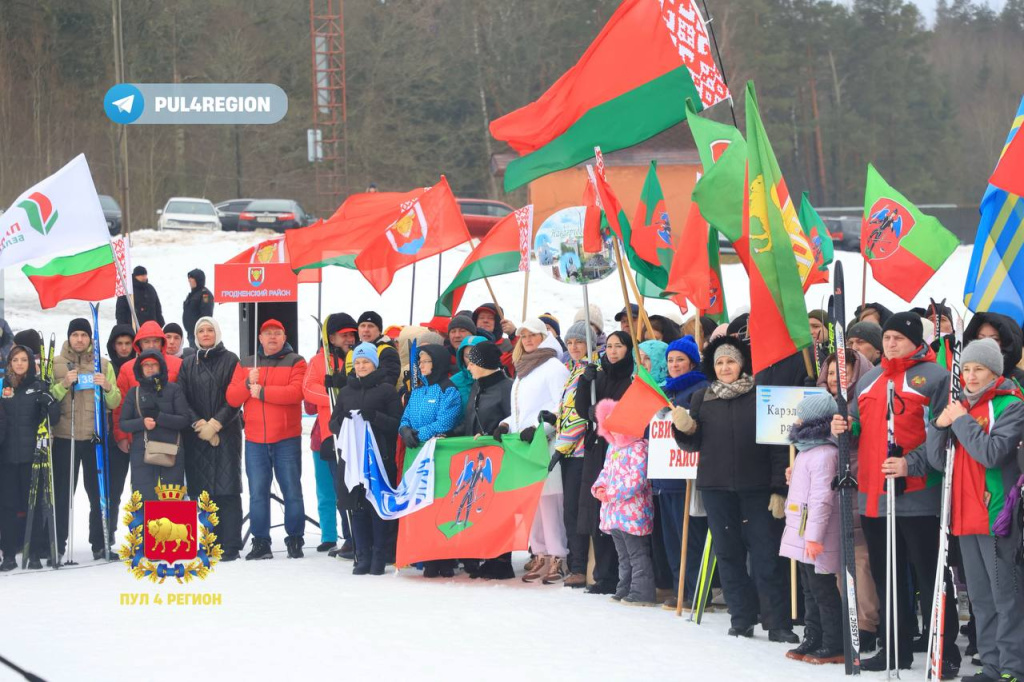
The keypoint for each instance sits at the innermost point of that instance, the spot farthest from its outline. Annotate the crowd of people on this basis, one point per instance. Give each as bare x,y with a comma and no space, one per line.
182,408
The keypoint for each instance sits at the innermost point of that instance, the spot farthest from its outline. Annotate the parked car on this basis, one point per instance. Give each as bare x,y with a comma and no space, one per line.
482,214
273,214
112,213
228,212
186,213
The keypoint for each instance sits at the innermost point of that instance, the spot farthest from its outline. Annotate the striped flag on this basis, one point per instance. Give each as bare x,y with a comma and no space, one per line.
995,279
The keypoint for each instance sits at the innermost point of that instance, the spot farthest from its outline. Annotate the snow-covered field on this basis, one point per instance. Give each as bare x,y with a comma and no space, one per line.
311,619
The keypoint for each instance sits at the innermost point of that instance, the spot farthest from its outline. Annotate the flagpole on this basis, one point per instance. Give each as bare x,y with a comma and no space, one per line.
439,274
682,550
718,56
590,341
625,293
412,292
526,294
864,284
642,317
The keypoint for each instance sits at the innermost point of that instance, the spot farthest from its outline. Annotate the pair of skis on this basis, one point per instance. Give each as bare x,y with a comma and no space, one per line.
41,487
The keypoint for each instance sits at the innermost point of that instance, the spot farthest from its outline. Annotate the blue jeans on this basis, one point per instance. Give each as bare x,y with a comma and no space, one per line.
263,461
326,500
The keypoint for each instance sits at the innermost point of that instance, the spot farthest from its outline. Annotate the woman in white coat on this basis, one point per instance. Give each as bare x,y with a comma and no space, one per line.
536,392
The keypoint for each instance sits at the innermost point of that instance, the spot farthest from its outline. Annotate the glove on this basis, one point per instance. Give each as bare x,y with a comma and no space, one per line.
45,399
526,435
368,414
813,549
777,506
590,372
210,429
500,431
338,380
548,417
682,420
409,437
555,459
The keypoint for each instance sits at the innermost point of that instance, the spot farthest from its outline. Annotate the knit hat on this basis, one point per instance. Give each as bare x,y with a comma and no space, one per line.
729,350
634,310
551,321
79,324
366,351
657,352
688,347
985,352
738,327
866,331
485,355
373,318
819,315
578,330
908,324
271,324
464,322
816,406
532,325
340,322
29,338
596,317
139,270
173,328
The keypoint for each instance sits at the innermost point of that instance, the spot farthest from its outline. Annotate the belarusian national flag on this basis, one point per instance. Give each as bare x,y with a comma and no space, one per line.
637,406
820,240
87,276
1009,172
485,496
778,313
630,84
504,249
431,225
903,246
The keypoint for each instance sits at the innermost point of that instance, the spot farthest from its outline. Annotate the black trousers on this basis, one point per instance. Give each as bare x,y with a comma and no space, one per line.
823,608
85,457
606,560
917,546
229,530
579,544
15,480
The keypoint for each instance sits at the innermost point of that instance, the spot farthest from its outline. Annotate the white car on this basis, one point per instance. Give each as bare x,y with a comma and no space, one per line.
184,213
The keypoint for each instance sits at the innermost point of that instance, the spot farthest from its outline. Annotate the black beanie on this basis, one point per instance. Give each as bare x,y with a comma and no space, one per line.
908,324
79,324
139,270
173,328
485,355
29,338
338,321
738,327
464,322
374,318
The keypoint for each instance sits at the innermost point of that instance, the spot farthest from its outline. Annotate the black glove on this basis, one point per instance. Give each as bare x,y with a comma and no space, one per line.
409,437
526,435
555,459
500,431
338,380
590,372
368,414
548,417
44,399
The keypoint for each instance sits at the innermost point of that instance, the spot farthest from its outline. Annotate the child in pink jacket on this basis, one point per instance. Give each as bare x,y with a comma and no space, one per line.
812,530
627,510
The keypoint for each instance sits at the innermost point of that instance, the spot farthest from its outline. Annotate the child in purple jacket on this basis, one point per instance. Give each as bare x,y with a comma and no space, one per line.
812,530
627,510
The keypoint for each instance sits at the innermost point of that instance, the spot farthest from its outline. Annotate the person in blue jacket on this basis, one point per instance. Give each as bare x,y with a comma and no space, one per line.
684,379
434,409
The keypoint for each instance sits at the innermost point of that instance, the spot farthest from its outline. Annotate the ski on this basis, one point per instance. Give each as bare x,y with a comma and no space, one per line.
40,496
845,483
98,423
936,633
51,506
703,591
892,641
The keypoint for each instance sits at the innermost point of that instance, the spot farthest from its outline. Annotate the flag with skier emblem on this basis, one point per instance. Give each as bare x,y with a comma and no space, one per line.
485,496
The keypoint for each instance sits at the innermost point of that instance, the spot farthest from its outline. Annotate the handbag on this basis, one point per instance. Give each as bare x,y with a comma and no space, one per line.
158,453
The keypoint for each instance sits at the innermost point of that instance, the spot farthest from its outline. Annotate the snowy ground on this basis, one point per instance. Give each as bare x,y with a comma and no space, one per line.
311,619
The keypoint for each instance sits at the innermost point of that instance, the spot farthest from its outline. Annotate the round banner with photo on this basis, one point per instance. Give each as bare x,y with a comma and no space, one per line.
558,248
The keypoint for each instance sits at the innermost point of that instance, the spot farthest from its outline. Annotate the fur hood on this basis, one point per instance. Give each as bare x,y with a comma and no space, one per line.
601,412
811,431
708,356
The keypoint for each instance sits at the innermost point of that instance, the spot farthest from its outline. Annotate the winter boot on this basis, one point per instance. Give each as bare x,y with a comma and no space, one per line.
260,550
635,601
868,641
497,569
531,562
431,569
556,571
877,662
447,569
230,555
575,580
784,635
979,676
825,656
377,562
9,564
471,567
34,563
294,544
326,546
742,632
601,588
346,551
539,570
805,648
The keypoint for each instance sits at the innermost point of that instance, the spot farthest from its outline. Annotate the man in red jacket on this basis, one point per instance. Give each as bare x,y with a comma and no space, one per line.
268,387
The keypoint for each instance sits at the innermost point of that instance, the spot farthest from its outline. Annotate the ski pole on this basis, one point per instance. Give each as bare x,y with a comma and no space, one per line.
71,489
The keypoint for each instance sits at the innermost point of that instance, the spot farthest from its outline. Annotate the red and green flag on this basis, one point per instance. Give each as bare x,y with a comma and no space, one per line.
505,249
485,496
778,250
87,276
903,246
651,238
637,406
629,85
820,239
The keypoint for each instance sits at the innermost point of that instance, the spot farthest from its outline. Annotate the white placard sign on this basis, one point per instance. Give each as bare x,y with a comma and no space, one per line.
665,459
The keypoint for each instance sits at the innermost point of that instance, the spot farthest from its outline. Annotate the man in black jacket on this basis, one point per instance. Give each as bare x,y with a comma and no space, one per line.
198,303
147,303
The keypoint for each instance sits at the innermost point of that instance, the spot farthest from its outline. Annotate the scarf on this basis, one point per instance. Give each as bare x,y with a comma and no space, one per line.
733,390
528,362
973,398
683,381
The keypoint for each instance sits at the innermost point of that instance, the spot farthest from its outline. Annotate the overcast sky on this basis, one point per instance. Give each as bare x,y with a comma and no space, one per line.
928,7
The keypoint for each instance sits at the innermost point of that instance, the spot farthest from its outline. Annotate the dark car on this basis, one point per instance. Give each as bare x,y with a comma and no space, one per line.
273,214
228,212
112,213
482,214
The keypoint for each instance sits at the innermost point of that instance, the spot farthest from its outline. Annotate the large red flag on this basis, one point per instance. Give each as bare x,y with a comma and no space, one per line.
426,227
691,274
374,203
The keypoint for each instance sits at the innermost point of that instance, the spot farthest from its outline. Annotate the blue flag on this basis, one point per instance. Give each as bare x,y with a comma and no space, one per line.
995,280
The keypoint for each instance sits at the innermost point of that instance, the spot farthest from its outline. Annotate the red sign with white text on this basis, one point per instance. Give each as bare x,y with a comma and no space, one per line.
255,283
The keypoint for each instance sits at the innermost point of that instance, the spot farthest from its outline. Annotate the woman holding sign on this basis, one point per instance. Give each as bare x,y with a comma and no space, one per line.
738,478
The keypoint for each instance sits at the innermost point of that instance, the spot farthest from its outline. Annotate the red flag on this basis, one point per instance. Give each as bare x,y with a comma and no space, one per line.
638,405
427,226
373,203
1009,172
691,274
592,242
606,199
